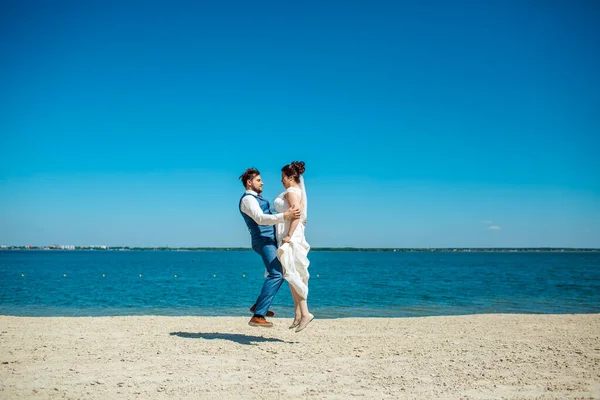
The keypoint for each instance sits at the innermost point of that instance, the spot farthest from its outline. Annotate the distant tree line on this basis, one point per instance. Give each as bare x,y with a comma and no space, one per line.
338,249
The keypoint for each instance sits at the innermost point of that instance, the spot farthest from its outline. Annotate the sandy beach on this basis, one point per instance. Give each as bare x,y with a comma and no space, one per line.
474,357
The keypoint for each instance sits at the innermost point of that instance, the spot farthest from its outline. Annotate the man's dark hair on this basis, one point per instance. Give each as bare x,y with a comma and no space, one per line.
250,173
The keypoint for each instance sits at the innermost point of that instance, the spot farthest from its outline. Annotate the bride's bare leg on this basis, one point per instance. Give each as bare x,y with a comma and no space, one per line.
306,316
298,314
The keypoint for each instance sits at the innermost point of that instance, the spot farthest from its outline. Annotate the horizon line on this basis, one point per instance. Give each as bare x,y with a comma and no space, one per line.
105,247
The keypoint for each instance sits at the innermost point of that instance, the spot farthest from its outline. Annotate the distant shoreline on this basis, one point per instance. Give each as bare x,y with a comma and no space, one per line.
330,249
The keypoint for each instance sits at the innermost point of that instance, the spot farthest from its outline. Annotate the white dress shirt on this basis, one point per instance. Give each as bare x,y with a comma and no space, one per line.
251,208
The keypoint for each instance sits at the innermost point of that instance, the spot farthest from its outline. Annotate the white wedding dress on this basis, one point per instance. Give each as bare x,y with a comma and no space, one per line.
293,255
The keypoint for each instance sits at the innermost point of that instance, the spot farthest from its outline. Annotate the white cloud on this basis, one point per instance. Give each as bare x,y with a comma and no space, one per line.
494,228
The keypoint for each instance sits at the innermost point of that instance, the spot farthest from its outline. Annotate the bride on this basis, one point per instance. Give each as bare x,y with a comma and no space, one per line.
292,246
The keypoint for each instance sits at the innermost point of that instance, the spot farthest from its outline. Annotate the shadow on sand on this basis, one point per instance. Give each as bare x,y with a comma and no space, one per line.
234,337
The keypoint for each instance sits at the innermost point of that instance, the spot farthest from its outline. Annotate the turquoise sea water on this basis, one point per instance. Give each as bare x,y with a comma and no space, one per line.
343,284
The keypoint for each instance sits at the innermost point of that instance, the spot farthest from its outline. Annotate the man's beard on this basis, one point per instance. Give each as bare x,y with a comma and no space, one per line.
257,190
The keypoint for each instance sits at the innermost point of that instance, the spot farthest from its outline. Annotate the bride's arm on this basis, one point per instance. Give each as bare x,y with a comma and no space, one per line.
294,201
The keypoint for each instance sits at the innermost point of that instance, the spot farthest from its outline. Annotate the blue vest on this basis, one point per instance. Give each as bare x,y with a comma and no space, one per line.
260,234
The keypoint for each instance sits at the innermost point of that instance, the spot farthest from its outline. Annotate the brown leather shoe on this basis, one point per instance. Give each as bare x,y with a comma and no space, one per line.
260,321
269,313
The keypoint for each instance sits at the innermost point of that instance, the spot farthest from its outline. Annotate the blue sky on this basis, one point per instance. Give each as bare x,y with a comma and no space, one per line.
422,124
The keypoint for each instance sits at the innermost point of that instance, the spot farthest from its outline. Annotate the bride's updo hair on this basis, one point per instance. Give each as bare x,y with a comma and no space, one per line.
294,170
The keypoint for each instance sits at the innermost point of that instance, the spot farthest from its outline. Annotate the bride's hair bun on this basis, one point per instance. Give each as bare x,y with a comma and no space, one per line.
294,170
298,166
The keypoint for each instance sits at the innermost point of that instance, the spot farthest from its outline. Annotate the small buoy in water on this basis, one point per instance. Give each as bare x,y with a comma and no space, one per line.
214,276
103,275
318,276
243,275
22,274
174,276
64,274
140,275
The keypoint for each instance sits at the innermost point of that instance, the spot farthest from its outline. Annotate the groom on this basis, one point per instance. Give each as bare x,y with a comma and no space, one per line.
260,222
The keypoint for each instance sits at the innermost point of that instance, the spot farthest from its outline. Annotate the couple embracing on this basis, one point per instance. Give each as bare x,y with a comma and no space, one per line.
279,240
